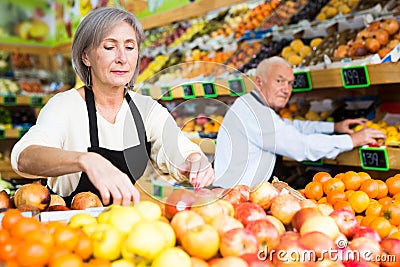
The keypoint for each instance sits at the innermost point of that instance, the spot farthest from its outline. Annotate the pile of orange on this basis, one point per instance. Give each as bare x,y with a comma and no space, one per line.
25,242
376,203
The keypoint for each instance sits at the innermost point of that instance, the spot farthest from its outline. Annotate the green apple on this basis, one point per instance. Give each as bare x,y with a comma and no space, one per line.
81,219
107,242
145,241
148,210
172,257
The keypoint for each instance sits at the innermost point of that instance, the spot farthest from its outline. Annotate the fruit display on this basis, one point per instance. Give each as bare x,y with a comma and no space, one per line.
379,37
335,7
297,51
363,5
392,131
309,11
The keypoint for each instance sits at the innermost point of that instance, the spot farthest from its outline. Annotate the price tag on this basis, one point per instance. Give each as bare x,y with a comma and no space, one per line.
314,163
209,90
22,132
236,87
158,191
374,158
2,133
9,100
166,93
145,91
36,101
188,91
302,82
355,77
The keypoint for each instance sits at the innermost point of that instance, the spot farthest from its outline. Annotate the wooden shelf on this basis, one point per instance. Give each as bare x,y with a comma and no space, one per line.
7,172
23,100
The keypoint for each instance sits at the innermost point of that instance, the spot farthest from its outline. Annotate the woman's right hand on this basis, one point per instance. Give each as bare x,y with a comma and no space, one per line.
109,180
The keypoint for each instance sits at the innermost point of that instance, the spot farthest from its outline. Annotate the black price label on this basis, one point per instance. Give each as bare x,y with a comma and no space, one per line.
374,158
355,77
166,93
2,133
158,191
9,100
314,163
145,91
36,101
236,87
302,82
188,91
209,90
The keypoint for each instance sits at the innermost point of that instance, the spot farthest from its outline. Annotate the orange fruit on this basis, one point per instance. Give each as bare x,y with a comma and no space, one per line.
66,237
351,180
343,204
348,193
359,218
393,184
322,200
53,226
333,184
395,235
359,201
23,226
385,200
381,225
391,212
41,235
4,235
374,209
67,260
321,177
371,187
367,220
9,249
84,248
382,189
10,217
97,262
339,176
335,196
396,196
364,176
32,253
313,190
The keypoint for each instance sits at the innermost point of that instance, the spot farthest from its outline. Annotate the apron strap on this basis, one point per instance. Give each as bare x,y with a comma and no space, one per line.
91,108
137,118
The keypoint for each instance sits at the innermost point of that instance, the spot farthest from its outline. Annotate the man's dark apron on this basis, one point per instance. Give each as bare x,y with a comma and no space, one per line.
137,156
278,168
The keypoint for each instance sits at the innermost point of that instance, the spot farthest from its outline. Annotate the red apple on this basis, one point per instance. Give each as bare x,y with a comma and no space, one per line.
263,193
237,242
178,200
253,260
303,215
248,211
223,223
266,233
227,207
244,189
368,249
390,252
346,221
185,220
230,261
234,196
204,196
284,207
322,223
366,231
288,252
201,241
290,236
278,224
317,242
209,211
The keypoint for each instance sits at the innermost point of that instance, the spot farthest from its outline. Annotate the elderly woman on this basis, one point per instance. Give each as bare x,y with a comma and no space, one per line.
99,137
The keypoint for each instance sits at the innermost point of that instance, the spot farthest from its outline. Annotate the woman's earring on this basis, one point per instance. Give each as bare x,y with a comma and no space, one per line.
88,79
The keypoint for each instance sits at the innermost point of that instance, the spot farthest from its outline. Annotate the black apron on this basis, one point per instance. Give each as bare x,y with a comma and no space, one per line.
132,161
278,168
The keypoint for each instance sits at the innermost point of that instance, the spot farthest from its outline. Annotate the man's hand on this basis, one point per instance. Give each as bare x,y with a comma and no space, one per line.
346,125
198,169
367,136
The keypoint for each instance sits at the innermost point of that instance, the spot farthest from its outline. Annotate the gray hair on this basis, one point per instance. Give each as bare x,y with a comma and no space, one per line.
90,34
265,65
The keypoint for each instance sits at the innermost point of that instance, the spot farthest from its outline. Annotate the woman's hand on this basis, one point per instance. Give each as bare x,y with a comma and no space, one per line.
198,169
367,136
109,180
346,125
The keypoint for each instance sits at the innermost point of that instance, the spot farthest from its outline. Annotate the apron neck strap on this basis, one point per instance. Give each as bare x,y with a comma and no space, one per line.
91,108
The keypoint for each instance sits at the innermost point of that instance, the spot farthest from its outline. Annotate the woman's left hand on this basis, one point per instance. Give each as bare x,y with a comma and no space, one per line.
345,125
199,170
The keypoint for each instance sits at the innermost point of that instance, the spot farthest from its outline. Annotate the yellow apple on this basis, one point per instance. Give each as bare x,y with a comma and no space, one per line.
148,210
107,242
172,257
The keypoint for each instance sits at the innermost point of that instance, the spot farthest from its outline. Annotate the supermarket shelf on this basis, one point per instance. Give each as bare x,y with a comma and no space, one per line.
7,172
23,100
37,49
